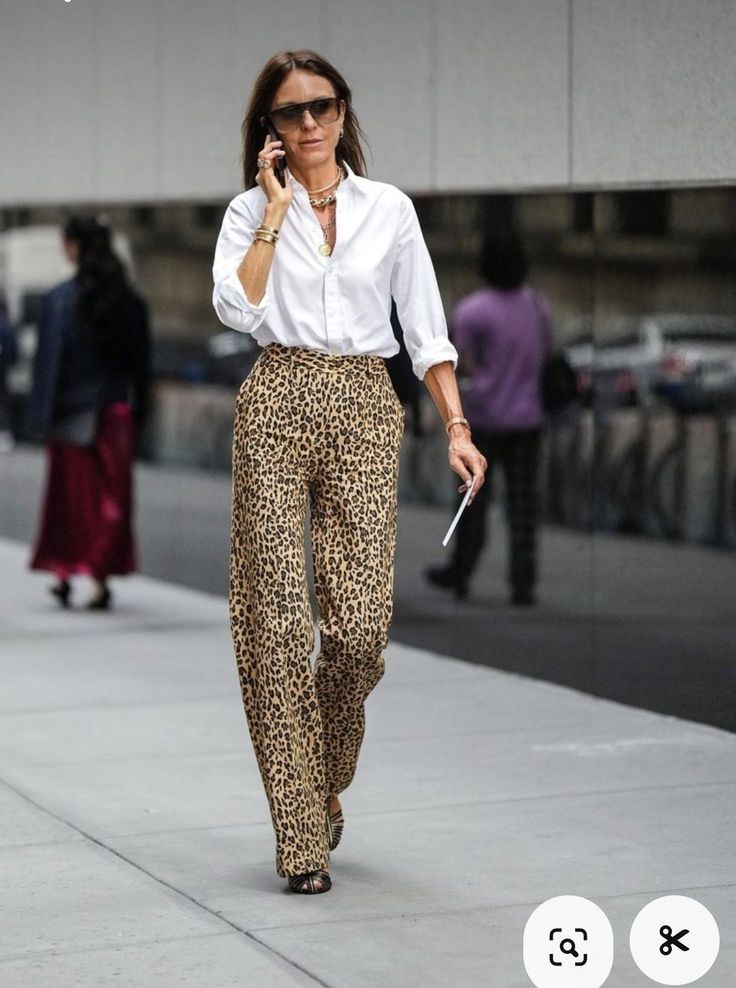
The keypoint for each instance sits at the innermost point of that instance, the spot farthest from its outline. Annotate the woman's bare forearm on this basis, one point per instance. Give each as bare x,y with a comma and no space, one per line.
255,267
442,385
464,458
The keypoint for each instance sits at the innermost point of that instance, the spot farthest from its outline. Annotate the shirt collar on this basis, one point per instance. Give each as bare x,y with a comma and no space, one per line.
356,181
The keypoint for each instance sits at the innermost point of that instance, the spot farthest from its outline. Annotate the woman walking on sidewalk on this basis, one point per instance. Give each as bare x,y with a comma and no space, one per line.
307,261
89,395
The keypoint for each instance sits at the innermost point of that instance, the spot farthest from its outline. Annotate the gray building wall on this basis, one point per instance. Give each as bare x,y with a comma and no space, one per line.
141,101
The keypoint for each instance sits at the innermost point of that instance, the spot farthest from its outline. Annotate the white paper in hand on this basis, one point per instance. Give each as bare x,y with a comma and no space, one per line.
460,510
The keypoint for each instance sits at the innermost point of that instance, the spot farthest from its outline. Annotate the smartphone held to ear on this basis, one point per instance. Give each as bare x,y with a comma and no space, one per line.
279,166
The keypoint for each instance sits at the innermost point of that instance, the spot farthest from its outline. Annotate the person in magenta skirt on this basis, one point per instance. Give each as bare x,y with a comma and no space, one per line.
88,401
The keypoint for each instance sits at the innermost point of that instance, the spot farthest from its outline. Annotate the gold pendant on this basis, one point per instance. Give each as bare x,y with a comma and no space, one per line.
325,250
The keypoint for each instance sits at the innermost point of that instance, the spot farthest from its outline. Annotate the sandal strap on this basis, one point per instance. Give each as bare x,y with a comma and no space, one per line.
335,824
297,882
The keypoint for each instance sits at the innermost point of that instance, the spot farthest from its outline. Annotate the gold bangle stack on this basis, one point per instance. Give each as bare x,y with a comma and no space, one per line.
269,234
456,420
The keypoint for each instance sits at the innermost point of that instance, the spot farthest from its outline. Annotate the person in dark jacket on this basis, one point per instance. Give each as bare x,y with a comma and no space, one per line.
88,401
8,356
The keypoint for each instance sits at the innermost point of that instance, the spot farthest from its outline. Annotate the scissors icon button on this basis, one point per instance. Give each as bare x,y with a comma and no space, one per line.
674,921
670,941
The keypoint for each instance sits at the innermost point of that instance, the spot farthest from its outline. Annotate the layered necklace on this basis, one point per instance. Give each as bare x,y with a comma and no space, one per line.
329,200
326,200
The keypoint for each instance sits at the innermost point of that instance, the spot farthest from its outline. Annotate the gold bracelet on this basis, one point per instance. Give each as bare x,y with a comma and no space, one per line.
267,229
457,420
267,238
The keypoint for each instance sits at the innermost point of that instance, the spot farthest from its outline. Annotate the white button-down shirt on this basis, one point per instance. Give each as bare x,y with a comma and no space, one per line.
340,304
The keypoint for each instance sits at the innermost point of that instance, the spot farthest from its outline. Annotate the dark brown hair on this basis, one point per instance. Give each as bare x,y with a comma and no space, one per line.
104,291
503,260
273,73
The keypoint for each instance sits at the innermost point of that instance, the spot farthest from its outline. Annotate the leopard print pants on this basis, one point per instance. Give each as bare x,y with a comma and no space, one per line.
325,429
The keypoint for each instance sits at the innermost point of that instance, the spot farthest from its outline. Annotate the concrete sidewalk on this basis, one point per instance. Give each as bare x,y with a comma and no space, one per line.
621,617
136,847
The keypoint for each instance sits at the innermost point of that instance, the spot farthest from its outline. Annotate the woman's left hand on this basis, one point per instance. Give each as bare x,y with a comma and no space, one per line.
468,462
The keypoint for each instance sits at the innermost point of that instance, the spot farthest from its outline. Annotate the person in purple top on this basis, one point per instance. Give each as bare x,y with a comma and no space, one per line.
503,334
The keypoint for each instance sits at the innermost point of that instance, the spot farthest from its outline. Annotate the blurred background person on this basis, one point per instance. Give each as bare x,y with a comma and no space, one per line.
503,335
88,401
8,356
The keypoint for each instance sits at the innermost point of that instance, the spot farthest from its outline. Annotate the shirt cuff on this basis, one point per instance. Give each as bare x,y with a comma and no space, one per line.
436,351
231,294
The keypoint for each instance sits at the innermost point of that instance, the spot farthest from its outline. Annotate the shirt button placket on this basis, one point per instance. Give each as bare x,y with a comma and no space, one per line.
331,312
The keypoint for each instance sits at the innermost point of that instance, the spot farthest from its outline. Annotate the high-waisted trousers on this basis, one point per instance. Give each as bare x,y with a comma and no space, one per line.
323,430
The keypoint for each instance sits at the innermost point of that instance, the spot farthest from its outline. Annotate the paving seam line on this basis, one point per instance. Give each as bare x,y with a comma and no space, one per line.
167,885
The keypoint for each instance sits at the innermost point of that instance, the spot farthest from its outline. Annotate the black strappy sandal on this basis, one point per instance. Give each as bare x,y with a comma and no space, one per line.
306,883
335,824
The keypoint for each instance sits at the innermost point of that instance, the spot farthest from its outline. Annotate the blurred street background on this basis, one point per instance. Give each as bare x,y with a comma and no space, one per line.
638,477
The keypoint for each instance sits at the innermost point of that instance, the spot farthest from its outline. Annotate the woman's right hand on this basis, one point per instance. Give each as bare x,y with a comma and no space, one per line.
276,193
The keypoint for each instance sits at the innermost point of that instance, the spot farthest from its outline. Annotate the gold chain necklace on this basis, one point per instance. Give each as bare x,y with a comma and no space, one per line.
314,192
325,249
327,200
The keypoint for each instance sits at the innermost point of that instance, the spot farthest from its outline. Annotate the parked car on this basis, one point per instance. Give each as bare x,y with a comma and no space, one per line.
696,366
687,360
225,358
579,349
231,356
623,354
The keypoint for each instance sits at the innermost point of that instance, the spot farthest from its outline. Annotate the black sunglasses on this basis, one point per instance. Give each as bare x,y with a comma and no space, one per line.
285,118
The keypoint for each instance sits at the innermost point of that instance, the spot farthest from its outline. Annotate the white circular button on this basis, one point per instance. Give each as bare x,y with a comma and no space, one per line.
674,940
568,943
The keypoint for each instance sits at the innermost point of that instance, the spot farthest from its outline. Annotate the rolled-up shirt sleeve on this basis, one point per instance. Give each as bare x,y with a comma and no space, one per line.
417,296
228,298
